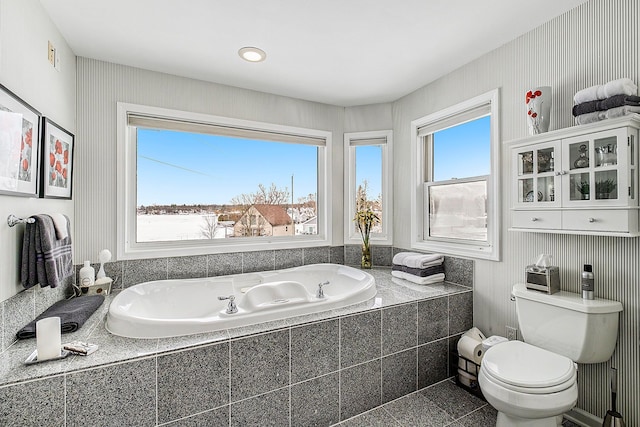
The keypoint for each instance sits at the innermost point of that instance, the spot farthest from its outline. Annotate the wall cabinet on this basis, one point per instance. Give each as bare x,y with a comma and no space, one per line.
580,180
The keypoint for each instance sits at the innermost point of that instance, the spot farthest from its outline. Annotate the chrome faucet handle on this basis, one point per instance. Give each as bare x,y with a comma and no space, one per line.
232,307
320,293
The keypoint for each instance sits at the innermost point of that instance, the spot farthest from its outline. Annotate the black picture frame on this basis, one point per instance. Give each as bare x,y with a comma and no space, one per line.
19,146
56,173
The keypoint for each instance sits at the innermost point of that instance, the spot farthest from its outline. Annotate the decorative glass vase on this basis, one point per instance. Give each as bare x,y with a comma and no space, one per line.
538,109
365,262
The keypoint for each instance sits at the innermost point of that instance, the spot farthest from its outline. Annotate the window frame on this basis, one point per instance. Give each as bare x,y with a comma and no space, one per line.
129,248
351,236
421,173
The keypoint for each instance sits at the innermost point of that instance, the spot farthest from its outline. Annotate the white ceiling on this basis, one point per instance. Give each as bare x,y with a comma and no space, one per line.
340,52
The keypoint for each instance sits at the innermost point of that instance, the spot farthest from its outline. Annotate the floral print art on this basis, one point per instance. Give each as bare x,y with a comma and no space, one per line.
26,148
58,162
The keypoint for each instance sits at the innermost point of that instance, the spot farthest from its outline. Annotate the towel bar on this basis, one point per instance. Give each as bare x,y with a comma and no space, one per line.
13,220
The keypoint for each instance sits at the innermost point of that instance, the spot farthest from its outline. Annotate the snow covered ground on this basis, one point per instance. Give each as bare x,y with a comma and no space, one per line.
155,228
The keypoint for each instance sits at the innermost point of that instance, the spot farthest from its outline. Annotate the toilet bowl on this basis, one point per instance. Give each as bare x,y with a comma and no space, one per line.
532,383
529,386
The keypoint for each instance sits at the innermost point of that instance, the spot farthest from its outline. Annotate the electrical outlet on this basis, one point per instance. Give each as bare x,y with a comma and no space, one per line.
51,54
512,333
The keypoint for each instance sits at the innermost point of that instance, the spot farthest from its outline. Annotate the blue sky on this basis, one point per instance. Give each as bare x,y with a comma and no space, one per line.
463,151
189,168
369,167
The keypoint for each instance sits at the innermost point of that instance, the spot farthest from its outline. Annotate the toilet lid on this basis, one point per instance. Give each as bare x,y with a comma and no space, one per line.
523,365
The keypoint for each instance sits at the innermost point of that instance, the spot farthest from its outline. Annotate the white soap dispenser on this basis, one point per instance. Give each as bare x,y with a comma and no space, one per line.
87,277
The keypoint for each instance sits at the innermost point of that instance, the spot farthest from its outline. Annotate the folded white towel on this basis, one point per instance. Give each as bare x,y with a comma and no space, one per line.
621,111
401,256
436,278
593,117
620,87
623,86
423,260
397,273
60,222
587,94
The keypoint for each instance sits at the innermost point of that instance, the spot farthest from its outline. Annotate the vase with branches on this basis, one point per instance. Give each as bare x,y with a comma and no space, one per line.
365,219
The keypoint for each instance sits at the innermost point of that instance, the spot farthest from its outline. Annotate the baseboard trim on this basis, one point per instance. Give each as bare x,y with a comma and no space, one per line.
583,418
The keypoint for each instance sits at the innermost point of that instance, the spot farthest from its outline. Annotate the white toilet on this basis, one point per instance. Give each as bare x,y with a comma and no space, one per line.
533,383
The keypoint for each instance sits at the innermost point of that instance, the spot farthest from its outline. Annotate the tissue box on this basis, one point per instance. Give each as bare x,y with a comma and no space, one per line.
544,279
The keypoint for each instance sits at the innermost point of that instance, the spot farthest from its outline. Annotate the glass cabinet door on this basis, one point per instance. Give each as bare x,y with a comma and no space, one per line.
536,180
594,169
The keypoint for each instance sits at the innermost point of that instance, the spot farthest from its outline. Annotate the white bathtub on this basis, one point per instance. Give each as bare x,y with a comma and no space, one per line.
168,308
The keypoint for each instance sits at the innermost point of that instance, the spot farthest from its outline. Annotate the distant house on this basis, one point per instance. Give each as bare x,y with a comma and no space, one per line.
310,226
264,220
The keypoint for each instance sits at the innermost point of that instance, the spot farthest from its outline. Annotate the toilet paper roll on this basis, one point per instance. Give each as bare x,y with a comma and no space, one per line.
476,334
470,348
467,379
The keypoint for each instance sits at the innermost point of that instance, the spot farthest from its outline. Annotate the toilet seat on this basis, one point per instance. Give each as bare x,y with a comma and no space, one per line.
524,368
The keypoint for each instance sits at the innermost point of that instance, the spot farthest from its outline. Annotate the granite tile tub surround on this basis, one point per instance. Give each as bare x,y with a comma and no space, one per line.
25,306
145,270
291,375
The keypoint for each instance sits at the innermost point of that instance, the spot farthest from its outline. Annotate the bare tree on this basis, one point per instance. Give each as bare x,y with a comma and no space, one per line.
362,199
210,226
264,196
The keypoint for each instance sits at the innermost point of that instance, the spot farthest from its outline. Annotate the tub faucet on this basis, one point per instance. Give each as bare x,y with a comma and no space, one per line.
232,307
320,293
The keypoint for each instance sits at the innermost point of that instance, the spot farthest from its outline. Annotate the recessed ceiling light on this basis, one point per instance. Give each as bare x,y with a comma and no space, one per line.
252,54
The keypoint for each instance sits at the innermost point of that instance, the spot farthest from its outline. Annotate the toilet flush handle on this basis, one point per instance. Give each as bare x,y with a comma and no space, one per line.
512,297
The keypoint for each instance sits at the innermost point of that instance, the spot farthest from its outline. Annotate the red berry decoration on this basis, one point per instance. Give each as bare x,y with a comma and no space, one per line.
538,93
534,115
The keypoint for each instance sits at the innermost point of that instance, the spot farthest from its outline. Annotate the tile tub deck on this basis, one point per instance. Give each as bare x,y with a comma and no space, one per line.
359,356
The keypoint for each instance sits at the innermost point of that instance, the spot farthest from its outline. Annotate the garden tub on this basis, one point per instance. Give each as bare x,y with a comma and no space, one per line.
169,308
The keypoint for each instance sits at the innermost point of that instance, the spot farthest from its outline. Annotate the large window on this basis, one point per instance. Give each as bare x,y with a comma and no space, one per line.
368,168
455,203
193,183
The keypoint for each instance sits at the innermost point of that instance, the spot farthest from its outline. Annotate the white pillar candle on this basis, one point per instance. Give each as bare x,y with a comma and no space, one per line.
48,341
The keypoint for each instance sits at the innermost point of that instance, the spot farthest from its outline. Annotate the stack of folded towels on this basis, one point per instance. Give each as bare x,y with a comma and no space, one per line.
422,269
616,98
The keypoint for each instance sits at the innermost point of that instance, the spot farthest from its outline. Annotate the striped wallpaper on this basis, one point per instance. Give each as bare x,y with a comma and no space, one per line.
592,44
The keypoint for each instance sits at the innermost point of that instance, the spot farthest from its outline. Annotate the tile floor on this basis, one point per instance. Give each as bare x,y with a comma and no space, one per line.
442,404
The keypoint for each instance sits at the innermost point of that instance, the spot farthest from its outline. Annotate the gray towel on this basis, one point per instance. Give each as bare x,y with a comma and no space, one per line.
606,104
45,259
619,101
72,313
422,272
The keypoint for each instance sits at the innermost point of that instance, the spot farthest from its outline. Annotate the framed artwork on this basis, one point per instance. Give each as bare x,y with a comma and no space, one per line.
57,161
19,146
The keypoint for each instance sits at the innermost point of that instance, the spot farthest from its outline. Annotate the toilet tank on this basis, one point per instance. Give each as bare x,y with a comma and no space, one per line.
583,330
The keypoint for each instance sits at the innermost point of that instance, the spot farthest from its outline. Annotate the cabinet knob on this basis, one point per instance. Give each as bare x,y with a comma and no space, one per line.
534,219
563,172
557,174
592,220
